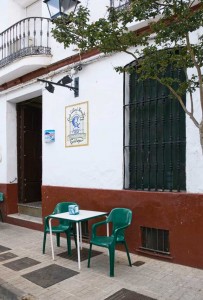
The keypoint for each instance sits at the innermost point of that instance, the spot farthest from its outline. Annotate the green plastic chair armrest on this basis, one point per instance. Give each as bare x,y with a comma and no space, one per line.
46,220
119,229
95,225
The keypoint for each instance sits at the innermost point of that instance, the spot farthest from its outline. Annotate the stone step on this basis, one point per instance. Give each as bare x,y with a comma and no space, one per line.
33,209
26,217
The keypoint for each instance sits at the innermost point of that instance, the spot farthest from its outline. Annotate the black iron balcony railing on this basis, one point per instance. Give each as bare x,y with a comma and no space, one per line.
119,4
29,36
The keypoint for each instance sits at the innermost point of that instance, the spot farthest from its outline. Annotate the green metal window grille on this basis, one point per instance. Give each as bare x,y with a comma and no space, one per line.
154,137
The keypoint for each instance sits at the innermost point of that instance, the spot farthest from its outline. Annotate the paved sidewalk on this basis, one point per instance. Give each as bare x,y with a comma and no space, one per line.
25,273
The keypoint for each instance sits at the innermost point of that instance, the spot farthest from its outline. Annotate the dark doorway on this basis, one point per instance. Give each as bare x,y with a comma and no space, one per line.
29,146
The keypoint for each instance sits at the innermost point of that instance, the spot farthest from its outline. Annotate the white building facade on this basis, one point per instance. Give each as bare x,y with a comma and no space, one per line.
40,162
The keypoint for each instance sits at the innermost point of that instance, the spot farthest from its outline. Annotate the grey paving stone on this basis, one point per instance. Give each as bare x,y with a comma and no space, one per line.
9,292
156,279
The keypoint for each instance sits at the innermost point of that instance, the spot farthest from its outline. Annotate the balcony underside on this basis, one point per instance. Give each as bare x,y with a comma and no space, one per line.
22,66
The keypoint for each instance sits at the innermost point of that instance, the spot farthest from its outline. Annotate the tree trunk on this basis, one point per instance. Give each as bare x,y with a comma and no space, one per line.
201,134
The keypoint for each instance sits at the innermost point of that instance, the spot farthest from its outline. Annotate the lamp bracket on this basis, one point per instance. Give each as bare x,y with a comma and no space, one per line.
72,88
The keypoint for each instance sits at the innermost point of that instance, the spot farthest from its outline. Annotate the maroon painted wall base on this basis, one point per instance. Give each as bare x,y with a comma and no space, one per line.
180,213
10,203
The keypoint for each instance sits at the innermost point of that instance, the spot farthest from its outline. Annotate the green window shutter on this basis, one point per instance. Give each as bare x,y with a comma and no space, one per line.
155,150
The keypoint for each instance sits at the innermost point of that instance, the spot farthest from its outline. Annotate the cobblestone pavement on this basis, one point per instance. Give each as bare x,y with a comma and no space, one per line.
23,255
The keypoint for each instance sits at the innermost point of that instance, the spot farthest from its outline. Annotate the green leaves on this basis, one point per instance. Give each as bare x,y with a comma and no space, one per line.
165,43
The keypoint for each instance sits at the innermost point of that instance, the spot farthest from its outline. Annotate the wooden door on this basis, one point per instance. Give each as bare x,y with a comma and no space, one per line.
29,130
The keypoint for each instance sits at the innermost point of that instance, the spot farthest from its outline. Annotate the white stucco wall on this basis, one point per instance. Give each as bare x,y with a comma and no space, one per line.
11,142
8,141
58,50
8,129
100,164
34,9
3,158
194,155
10,13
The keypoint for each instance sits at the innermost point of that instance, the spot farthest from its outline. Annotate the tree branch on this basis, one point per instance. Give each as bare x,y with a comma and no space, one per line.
191,98
181,103
191,51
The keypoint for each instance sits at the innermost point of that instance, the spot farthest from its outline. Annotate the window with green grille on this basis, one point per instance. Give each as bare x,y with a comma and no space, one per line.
154,140
155,240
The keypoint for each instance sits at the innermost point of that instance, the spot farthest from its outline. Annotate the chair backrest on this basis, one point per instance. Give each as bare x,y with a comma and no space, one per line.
120,217
1,197
62,207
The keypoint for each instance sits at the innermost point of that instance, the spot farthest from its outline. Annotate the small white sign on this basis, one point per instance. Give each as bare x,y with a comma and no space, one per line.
49,136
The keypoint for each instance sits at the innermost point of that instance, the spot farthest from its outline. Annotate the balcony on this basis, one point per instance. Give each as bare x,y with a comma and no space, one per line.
27,44
119,4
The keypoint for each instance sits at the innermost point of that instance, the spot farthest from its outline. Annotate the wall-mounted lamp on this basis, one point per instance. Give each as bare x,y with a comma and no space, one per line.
59,8
62,82
50,88
65,80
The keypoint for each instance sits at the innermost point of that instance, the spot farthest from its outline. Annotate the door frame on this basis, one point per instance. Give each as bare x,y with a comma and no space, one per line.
20,109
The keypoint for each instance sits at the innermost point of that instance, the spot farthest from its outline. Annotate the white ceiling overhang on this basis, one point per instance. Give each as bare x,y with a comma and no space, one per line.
25,3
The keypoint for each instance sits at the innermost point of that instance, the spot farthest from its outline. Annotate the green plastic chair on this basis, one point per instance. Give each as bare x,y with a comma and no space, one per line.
64,226
120,218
